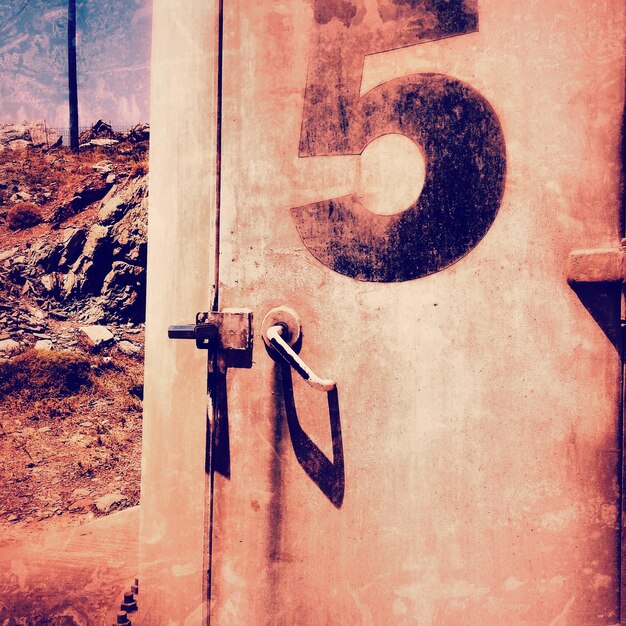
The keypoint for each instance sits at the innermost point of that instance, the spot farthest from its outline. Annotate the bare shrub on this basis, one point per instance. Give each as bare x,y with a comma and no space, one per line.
24,215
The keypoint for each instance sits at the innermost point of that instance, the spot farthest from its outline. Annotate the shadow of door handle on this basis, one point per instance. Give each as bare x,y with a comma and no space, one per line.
281,330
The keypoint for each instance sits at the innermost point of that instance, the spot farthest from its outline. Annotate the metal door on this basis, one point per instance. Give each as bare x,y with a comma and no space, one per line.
410,177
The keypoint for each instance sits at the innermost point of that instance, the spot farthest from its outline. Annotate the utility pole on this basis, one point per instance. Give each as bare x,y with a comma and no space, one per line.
71,71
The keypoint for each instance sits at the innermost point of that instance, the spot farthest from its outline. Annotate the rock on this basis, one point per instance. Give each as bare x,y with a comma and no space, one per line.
18,144
46,255
23,195
80,492
129,348
113,210
124,290
7,254
13,518
99,142
96,238
92,314
103,167
95,261
9,346
42,135
14,136
91,192
59,315
110,501
73,243
51,283
99,130
129,237
112,192
43,344
97,336
103,142
141,132
13,132
110,179
37,313
69,285
45,429
85,441
84,504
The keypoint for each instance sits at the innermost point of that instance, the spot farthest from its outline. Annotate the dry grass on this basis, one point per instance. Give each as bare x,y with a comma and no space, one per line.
139,169
39,374
68,421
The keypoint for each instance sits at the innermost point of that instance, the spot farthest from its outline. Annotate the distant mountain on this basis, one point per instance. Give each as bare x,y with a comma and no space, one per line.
113,48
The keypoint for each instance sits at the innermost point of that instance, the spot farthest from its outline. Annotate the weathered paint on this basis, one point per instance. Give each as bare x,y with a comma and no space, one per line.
454,125
466,470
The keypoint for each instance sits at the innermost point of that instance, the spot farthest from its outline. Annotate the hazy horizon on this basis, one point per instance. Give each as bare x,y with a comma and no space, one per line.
113,59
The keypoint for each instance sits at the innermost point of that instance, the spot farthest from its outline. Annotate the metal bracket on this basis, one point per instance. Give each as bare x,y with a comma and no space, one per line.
598,276
598,265
228,330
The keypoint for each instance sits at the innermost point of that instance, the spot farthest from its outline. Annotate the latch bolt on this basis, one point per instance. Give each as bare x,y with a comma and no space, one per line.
230,329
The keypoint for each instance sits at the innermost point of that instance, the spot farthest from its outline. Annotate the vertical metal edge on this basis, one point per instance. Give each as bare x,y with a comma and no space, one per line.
184,169
622,417
212,357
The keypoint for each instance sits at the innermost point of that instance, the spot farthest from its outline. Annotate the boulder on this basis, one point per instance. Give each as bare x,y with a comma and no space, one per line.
97,336
99,129
38,134
13,132
42,135
129,348
9,346
18,144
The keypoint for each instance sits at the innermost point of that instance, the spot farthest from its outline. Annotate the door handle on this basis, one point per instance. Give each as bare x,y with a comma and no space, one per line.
281,331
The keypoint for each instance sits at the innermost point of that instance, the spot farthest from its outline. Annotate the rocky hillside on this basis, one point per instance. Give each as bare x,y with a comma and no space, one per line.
72,297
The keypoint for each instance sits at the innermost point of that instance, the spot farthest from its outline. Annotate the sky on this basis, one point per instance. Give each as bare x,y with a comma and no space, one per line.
113,60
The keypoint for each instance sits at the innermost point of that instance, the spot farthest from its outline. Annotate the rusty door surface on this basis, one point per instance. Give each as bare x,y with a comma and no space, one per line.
410,177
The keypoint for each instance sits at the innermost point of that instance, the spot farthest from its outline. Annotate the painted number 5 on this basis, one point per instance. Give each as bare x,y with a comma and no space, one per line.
454,125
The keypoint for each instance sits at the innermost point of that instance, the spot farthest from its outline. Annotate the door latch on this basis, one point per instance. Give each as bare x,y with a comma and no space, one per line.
227,330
